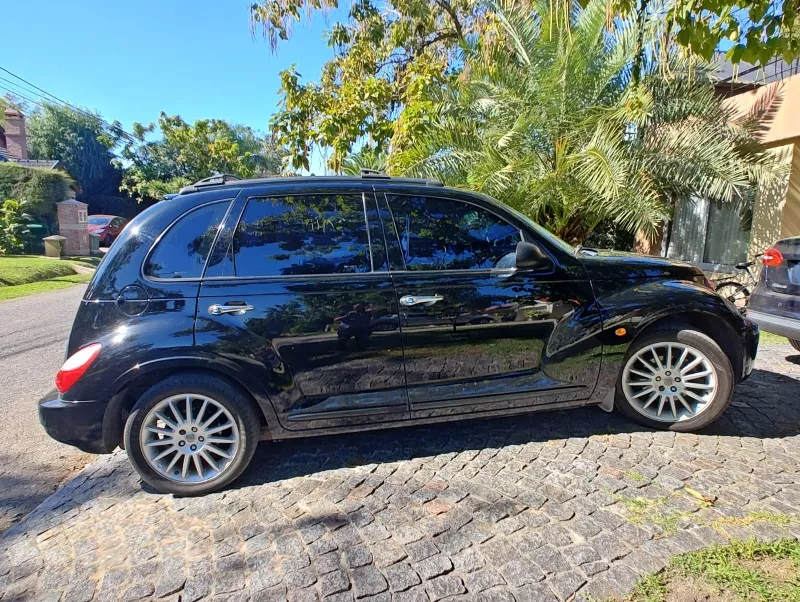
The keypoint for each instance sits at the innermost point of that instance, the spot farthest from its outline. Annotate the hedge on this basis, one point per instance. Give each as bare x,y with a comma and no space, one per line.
40,188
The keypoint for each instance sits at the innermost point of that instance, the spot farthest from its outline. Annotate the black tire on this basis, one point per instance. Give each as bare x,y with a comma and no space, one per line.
708,347
795,343
241,408
735,292
107,241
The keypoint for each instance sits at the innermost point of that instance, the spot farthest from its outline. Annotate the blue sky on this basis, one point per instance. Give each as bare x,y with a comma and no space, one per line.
132,59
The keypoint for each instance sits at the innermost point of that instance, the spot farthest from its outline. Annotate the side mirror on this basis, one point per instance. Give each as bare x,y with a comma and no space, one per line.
530,257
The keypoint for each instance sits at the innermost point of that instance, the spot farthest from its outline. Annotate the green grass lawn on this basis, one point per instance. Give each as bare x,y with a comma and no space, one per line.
740,571
22,275
43,286
767,338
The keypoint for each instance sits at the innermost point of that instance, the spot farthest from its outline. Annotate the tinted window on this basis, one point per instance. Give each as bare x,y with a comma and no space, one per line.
309,234
183,250
98,221
441,234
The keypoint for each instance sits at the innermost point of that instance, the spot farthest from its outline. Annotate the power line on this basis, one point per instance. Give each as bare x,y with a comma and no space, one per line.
20,95
46,96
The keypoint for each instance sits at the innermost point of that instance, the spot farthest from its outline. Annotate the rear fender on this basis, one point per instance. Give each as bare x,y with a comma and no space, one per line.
145,374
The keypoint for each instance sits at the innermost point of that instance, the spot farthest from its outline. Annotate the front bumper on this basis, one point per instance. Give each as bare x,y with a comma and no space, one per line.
77,423
780,325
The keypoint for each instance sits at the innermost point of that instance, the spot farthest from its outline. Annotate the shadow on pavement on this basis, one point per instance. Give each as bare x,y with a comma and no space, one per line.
767,405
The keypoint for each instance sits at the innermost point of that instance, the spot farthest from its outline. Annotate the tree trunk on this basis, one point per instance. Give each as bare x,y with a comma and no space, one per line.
642,244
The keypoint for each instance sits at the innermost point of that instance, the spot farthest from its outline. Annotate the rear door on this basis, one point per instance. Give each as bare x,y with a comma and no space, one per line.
298,293
477,335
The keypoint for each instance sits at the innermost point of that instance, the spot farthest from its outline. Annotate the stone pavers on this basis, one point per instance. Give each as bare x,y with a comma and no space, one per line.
557,506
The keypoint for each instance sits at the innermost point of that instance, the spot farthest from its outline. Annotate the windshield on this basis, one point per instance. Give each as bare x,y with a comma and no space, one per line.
98,221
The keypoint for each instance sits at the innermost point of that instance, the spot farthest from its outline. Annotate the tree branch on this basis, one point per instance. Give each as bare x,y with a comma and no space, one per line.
448,8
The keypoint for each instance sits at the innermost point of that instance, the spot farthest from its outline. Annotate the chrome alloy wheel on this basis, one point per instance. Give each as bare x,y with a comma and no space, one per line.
669,382
189,438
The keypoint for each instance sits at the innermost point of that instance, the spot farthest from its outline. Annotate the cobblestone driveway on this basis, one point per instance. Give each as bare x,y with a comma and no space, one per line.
551,506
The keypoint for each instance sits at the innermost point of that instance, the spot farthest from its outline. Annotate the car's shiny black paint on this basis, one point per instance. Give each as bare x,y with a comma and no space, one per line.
325,354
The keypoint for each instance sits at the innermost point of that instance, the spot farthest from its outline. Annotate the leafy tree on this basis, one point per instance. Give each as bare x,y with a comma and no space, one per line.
563,127
758,29
185,153
13,227
81,140
389,55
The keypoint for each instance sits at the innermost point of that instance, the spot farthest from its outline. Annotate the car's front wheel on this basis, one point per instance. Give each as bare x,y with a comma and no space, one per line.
191,434
678,380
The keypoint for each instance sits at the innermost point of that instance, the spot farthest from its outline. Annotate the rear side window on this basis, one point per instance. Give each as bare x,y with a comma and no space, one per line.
183,250
304,234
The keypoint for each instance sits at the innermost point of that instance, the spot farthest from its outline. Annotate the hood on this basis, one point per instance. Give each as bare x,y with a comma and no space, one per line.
614,265
96,227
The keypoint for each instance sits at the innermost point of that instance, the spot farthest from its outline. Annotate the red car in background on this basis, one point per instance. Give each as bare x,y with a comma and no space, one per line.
107,227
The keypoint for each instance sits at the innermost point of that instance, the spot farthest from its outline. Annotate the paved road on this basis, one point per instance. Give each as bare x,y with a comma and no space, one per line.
545,508
33,339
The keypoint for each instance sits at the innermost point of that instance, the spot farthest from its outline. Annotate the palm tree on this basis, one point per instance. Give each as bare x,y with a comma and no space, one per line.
557,122
366,158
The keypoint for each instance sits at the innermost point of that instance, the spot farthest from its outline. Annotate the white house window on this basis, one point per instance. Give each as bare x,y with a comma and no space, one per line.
704,231
82,219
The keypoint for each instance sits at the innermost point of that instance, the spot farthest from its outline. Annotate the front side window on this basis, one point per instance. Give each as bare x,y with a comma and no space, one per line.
303,235
443,234
183,250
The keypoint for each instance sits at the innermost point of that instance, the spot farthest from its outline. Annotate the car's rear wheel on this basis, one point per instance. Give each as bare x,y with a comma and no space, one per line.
676,380
795,343
191,434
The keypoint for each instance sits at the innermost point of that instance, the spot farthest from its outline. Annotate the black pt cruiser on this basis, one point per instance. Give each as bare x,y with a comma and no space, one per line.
269,309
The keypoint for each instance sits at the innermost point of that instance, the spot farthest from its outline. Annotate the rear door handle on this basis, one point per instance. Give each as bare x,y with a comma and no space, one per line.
426,300
235,308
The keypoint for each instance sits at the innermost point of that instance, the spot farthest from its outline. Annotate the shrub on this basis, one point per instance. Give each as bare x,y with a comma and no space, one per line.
13,227
39,189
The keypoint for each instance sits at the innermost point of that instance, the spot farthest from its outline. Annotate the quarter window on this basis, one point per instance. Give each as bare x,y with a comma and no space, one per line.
302,235
183,250
442,234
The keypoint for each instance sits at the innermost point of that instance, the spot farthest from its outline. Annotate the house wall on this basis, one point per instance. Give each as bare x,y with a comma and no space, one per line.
790,224
768,212
781,122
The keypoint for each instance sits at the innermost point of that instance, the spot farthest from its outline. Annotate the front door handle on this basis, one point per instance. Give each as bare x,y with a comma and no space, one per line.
235,308
426,300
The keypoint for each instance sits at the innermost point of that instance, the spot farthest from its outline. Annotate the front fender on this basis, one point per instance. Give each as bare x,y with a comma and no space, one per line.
630,307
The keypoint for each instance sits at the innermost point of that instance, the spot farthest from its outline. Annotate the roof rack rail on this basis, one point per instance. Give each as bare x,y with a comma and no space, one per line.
374,173
215,180
379,175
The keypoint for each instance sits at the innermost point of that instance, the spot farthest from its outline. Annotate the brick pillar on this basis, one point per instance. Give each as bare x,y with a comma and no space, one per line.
16,136
74,226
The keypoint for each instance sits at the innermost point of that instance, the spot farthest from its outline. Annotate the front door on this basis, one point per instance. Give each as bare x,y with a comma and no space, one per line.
478,335
302,297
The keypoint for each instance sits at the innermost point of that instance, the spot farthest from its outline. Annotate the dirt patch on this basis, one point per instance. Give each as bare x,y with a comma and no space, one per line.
696,589
781,570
